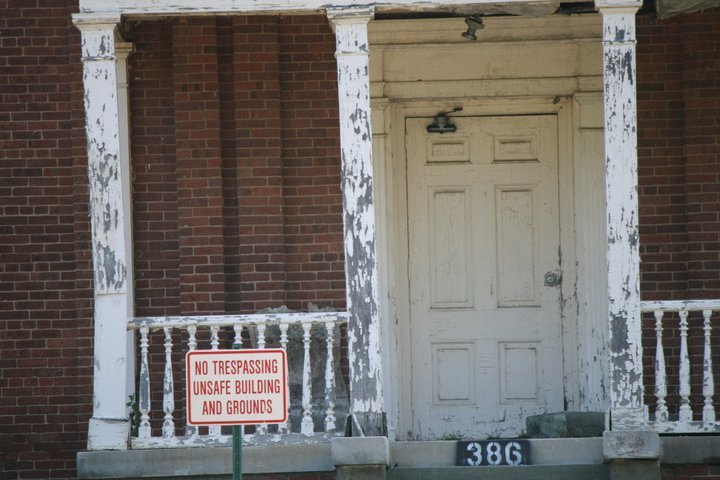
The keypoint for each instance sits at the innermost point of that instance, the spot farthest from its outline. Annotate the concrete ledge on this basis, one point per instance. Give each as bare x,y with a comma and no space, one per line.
215,463
523,472
546,451
632,445
360,451
201,462
701,449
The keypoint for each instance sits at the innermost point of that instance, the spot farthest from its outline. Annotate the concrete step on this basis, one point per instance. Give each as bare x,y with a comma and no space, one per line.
522,472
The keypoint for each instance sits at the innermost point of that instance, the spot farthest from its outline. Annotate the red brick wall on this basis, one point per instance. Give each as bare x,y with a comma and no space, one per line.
679,155
679,165
45,266
244,182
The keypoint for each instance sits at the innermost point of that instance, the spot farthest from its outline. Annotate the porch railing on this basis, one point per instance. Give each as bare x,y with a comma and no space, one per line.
312,342
684,353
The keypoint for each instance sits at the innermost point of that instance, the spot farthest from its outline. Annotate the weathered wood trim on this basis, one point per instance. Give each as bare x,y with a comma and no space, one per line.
104,58
675,305
621,188
196,7
361,273
590,219
102,128
156,323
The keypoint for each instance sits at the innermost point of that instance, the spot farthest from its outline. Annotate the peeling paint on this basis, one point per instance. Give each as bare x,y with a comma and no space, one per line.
359,218
102,128
623,260
104,64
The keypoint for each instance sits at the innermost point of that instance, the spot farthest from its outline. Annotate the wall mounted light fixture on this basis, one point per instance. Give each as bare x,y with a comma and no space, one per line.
441,122
474,24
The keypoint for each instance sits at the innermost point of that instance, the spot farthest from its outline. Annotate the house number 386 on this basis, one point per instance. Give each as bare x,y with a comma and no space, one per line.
493,453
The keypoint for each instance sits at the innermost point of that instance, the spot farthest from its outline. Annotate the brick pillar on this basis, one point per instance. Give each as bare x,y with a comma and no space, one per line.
257,171
199,169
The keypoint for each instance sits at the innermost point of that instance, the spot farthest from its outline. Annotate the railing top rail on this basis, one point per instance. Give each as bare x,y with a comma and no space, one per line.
223,320
676,305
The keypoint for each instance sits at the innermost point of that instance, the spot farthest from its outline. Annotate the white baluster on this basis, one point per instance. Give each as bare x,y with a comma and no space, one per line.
237,344
214,430
261,335
661,411
144,390
685,411
283,427
330,378
214,337
306,425
168,428
237,329
262,428
708,382
191,430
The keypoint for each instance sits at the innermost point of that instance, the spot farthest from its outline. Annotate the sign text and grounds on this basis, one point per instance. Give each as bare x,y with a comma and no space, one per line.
236,387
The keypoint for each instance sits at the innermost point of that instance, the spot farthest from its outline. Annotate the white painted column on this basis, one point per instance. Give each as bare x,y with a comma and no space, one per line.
106,126
361,271
621,188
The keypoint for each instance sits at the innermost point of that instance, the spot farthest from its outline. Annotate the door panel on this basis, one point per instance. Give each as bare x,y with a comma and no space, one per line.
483,225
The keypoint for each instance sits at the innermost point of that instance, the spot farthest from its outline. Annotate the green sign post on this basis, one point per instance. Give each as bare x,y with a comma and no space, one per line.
236,387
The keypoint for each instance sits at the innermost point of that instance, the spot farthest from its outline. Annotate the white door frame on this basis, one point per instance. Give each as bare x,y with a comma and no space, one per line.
392,221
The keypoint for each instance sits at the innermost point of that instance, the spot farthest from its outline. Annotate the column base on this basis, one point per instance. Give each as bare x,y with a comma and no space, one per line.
632,455
108,434
361,458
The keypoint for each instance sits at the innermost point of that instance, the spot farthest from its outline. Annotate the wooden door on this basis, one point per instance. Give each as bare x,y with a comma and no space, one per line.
484,268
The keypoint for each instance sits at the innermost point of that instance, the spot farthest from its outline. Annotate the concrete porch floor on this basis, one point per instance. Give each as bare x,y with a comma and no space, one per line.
215,463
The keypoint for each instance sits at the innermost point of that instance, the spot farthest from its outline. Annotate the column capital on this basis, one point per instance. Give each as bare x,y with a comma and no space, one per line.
353,15
609,5
93,21
101,39
618,24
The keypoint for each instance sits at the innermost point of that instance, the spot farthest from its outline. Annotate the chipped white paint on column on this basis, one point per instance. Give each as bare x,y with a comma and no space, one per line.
708,379
329,377
104,79
306,425
168,428
661,410
144,388
685,413
361,273
621,188
191,430
283,427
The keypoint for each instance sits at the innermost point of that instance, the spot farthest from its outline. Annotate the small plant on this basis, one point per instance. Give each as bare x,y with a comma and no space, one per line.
133,415
453,436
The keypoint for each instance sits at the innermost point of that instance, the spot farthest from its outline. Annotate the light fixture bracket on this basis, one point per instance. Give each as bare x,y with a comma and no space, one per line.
442,124
474,23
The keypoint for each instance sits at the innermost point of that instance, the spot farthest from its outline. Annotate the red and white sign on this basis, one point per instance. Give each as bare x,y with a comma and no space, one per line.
236,387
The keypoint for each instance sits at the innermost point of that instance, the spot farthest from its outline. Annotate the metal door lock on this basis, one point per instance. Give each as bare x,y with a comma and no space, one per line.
552,279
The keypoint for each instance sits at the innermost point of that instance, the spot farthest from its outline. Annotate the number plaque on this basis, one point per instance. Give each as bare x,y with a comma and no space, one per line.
490,453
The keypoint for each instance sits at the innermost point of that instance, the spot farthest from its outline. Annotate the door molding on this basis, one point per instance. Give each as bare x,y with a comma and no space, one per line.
392,213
